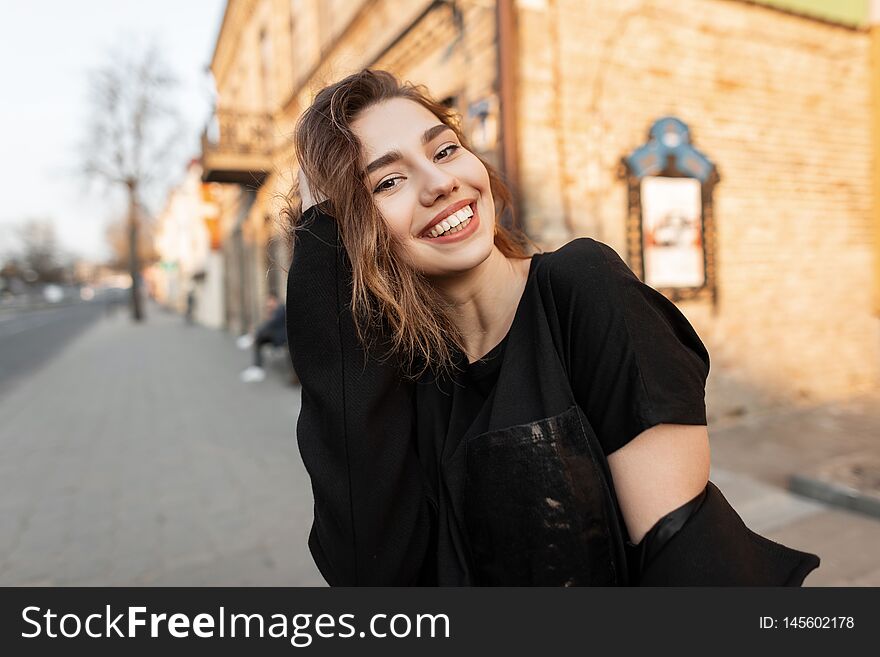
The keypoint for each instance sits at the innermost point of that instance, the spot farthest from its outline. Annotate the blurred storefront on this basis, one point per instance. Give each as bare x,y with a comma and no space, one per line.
187,241
720,146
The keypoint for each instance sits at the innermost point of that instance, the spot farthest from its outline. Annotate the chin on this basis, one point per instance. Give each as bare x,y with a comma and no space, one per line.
462,260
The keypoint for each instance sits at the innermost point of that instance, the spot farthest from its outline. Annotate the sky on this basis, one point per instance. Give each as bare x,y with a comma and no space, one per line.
47,48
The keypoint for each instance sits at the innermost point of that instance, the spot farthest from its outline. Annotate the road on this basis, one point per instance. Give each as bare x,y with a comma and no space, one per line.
29,338
135,456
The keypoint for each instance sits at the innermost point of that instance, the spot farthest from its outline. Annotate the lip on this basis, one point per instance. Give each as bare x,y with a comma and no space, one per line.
468,230
447,211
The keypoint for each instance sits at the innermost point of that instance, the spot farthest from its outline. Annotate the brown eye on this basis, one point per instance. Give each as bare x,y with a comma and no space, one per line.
384,186
451,148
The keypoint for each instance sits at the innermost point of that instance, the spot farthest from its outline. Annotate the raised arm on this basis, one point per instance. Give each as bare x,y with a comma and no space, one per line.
372,522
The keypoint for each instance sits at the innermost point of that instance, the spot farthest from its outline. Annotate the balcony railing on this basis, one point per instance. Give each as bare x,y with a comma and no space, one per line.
237,148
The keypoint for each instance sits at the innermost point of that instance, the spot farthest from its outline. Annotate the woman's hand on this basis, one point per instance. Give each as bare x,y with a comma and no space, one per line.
309,198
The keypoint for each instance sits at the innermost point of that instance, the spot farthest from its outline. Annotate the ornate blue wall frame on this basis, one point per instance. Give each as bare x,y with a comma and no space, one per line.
670,153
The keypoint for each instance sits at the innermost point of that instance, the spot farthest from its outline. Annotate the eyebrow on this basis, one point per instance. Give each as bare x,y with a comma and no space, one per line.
393,156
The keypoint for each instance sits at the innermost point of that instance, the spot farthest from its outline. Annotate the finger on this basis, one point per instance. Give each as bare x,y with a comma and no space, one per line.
305,192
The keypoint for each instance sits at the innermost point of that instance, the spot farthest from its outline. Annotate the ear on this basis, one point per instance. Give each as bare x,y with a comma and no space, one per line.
309,198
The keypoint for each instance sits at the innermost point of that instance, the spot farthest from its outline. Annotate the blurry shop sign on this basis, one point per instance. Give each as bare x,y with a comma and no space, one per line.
670,228
211,214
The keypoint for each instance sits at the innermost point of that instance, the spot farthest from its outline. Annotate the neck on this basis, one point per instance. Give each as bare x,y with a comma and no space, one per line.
485,300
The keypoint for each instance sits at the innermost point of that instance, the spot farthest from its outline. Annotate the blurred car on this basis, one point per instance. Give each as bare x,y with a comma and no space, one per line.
53,293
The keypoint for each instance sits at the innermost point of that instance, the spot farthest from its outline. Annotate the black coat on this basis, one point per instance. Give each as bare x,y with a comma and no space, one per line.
375,523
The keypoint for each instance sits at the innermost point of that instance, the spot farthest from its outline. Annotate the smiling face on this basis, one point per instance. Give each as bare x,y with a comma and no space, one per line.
419,174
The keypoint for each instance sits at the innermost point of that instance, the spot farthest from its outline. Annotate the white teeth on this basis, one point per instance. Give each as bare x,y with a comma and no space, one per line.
453,223
437,230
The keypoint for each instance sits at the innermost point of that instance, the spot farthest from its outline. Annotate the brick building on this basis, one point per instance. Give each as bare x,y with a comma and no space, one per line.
780,98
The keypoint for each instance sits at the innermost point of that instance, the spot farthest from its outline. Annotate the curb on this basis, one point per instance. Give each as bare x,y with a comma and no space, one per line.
851,482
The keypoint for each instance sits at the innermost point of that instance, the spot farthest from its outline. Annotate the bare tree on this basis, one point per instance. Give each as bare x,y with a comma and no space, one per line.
39,252
132,133
117,237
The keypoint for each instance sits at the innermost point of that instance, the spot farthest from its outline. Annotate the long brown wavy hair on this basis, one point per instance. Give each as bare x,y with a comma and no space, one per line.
417,329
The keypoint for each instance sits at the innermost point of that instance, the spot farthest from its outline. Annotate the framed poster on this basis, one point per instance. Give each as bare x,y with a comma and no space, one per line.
672,241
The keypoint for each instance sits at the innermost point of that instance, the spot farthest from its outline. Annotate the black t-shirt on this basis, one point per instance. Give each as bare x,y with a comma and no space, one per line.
633,359
629,359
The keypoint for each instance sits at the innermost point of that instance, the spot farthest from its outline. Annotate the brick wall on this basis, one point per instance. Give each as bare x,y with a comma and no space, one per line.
781,104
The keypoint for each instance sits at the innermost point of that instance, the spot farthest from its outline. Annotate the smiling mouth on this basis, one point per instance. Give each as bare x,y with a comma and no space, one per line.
454,223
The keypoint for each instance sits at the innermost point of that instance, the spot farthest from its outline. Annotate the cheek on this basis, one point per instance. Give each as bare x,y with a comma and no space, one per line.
476,172
397,215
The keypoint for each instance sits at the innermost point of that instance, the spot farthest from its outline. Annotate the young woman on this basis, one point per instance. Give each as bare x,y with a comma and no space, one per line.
473,414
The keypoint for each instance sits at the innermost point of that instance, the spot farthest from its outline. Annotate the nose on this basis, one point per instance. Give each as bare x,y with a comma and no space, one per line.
438,183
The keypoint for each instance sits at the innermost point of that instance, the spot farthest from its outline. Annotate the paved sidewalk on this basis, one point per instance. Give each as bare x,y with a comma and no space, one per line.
766,450
137,457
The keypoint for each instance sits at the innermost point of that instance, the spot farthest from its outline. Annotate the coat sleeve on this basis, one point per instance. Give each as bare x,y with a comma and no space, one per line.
634,362
372,523
709,545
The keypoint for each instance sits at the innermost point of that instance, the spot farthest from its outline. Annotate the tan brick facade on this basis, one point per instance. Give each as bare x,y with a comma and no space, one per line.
781,104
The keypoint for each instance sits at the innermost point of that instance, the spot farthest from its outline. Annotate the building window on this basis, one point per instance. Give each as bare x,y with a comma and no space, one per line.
482,121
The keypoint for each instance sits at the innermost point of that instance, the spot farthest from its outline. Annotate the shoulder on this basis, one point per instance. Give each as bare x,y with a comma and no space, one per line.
584,266
580,254
597,294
